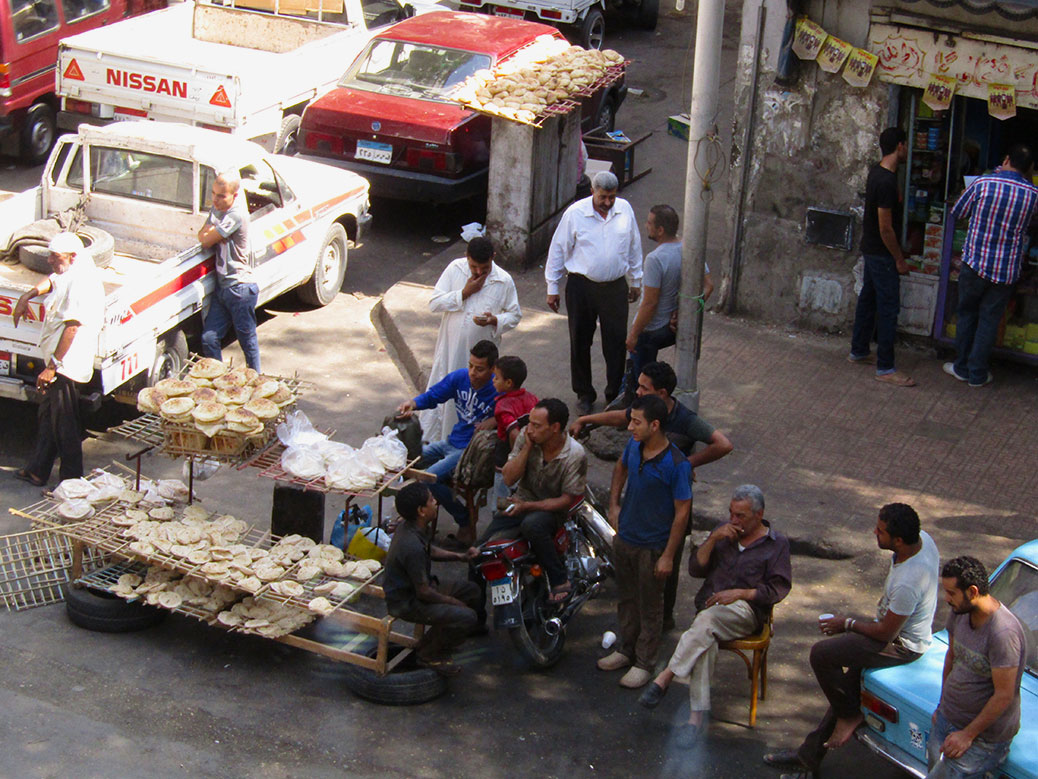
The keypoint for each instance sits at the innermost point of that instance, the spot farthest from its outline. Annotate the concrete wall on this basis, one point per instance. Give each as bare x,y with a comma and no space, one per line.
813,143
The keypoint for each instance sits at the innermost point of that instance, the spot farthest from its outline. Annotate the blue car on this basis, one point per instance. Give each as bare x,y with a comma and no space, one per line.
898,702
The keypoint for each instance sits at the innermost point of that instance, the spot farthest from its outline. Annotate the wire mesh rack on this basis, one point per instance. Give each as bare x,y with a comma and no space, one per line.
36,565
106,578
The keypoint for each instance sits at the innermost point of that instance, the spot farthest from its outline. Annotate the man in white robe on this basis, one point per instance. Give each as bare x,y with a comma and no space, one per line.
479,301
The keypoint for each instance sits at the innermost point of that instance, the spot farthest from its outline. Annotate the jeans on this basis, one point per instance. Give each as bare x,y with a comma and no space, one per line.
233,305
440,459
58,431
838,663
537,527
981,305
877,310
982,756
449,624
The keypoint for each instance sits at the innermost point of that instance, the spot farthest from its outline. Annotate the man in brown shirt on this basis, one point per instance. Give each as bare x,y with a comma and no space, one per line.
747,571
550,471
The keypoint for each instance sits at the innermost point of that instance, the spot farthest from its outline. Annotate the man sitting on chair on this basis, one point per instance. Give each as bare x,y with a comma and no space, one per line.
747,571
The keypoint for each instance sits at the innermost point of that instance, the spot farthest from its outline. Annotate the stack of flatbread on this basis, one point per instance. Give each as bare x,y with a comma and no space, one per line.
214,399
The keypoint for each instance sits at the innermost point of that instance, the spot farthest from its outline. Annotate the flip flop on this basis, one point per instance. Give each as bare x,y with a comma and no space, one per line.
560,593
896,379
23,475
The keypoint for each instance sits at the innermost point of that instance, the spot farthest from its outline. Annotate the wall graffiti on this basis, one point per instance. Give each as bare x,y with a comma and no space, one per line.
908,56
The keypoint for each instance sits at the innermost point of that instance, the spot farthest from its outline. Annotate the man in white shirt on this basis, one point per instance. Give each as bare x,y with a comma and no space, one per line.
596,246
899,633
479,303
74,315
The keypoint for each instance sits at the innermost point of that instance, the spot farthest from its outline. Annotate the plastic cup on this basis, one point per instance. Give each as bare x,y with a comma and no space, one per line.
608,639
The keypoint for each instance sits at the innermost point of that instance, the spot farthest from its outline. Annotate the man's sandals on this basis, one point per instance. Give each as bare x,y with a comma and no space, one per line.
32,478
560,593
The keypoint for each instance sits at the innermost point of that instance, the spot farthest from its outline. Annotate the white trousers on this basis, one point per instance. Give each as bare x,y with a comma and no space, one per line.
696,651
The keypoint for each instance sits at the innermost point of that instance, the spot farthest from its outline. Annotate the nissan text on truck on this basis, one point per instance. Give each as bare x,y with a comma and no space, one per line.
245,69
144,189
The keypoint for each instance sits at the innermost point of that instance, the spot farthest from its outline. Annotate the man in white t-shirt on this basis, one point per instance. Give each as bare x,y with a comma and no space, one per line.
899,634
74,315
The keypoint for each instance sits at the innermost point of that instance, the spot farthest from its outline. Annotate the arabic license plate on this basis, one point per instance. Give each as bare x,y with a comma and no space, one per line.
500,10
501,592
374,152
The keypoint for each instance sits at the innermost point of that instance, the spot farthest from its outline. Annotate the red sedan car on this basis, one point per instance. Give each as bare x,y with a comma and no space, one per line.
389,119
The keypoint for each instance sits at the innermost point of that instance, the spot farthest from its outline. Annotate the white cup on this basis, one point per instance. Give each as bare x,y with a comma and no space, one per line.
824,617
608,639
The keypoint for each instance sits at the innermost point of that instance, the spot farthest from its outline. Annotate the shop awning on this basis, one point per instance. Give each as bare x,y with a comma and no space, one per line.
1021,9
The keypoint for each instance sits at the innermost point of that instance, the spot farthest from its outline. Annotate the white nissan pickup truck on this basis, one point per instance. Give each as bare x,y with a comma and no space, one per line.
144,189
249,69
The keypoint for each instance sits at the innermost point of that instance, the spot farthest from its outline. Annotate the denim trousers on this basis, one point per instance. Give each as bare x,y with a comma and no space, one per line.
233,305
440,459
982,756
878,306
538,528
981,305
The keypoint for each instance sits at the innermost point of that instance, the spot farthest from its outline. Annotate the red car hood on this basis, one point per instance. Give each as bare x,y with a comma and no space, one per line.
353,111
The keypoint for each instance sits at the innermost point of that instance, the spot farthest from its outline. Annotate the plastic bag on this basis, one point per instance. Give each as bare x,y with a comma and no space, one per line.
369,544
367,457
105,479
388,448
472,230
343,530
296,430
351,472
302,462
329,451
73,489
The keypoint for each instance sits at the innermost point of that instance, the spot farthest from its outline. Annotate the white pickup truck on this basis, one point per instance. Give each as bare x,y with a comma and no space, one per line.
228,68
147,185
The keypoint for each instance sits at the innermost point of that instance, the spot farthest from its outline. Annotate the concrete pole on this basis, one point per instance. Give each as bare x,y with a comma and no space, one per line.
702,154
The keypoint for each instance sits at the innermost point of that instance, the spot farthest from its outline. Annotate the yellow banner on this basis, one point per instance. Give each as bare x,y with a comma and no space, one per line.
833,54
859,68
1002,101
939,92
808,39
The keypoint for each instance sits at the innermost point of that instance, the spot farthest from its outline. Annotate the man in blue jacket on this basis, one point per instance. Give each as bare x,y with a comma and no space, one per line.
473,394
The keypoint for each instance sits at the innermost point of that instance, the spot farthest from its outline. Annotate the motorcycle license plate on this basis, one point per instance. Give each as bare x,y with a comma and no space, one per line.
501,592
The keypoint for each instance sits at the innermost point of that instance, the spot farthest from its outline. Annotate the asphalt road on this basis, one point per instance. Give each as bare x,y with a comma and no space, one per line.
185,699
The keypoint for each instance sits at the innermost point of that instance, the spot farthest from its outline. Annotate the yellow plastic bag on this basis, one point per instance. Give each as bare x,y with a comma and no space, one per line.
364,548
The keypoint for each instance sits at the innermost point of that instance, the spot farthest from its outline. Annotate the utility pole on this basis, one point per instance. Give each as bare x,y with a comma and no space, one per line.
703,155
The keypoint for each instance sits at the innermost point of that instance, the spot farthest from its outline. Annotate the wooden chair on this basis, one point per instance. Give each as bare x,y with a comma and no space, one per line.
758,644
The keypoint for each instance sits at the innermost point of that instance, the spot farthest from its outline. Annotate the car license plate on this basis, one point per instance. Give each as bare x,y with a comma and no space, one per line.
374,152
5,364
501,592
500,10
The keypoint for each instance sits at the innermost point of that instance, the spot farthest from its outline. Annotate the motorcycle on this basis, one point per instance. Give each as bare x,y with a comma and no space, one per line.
519,589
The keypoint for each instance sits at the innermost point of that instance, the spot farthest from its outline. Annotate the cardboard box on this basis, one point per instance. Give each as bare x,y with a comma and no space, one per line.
678,126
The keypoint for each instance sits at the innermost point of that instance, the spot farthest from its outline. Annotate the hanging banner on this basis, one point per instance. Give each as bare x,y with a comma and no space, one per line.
833,54
939,92
1002,101
808,39
860,67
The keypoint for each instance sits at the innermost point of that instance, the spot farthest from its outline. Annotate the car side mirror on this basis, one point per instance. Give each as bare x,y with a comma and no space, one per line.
408,10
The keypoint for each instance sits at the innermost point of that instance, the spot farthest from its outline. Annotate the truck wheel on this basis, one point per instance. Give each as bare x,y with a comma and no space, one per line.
407,685
647,14
329,271
288,136
592,31
34,257
170,357
38,134
107,613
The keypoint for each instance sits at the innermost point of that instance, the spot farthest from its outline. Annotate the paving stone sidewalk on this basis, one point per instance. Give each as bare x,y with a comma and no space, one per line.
825,441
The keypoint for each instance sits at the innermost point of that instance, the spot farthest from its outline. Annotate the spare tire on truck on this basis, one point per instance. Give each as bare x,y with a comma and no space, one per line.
31,244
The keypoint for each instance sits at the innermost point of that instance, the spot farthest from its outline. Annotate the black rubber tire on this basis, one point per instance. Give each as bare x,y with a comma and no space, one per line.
540,657
648,14
592,29
606,119
170,357
329,269
287,141
107,613
100,243
39,131
401,687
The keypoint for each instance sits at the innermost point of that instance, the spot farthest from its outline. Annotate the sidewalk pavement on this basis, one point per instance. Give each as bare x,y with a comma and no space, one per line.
826,442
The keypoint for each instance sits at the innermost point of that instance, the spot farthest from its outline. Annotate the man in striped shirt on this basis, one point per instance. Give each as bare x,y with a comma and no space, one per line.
1001,207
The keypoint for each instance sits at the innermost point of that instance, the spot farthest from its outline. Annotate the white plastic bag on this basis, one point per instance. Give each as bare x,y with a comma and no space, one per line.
73,489
389,449
472,230
329,451
296,430
302,462
349,473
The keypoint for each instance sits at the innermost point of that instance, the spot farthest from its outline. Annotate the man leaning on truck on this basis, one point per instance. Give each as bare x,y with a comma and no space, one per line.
74,315
235,298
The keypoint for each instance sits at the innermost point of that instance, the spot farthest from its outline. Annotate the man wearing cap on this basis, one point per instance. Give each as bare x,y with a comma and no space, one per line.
74,315
235,298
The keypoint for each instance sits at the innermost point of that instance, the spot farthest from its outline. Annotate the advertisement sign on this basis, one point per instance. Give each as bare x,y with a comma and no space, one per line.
939,92
808,39
860,67
833,54
1002,101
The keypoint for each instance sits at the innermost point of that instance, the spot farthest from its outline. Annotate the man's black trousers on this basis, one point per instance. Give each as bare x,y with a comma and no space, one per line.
588,304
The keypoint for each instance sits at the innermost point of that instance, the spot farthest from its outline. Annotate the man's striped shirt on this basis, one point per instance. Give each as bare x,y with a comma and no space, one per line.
1002,205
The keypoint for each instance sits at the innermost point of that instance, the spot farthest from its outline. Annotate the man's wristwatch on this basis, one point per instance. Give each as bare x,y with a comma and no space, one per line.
56,364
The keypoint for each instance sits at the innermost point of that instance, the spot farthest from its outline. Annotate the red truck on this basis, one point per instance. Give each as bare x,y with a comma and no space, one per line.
29,35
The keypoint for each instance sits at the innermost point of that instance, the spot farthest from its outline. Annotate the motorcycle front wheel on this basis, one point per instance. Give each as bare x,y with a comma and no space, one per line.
537,645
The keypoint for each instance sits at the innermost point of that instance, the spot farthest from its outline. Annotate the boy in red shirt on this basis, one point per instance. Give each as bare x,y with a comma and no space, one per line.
512,403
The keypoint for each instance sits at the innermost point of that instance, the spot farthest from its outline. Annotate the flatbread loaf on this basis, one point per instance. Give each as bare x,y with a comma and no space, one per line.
176,407
263,408
208,368
209,411
150,398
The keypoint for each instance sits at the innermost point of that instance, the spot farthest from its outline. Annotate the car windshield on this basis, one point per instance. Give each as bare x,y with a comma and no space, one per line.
1017,588
412,69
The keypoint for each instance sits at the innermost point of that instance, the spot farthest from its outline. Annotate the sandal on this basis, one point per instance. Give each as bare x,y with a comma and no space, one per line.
32,478
896,378
560,593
